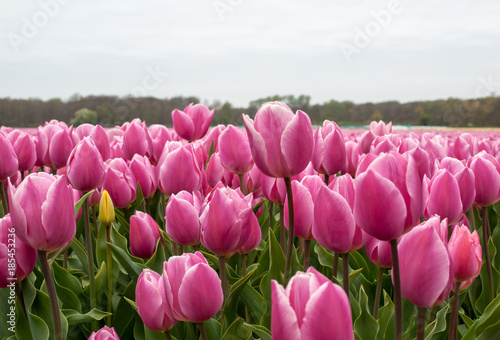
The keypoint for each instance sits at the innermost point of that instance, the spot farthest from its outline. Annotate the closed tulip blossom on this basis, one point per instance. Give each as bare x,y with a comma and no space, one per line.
61,146
424,263
465,252
234,150
104,333
20,258
274,189
192,288
120,183
42,209
329,154
85,170
145,173
379,252
9,164
465,179
25,149
182,218
152,304
311,307
487,178
137,140
226,221
441,196
178,170
281,141
144,235
159,137
254,238
192,123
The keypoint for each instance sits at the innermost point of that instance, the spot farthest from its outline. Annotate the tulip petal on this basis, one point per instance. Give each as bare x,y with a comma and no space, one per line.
183,124
284,324
182,221
297,144
257,147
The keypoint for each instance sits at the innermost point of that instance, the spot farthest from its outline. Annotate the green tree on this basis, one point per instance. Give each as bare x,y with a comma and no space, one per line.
83,116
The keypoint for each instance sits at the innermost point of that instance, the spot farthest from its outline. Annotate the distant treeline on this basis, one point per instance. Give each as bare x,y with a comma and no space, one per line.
113,110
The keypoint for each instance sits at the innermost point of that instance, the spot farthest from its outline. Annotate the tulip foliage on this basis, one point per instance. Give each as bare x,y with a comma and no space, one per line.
151,232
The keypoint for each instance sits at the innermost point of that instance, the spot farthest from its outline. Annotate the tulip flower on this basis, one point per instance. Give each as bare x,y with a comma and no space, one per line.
424,263
178,171
42,209
329,154
465,252
152,304
311,307
61,146
234,150
17,262
193,122
253,239
137,140
487,178
145,173
9,164
192,288
465,179
182,218
281,142
24,147
212,137
441,196
159,137
379,252
252,181
106,208
144,235
226,221
365,141
120,183
274,189
85,170
104,333
380,128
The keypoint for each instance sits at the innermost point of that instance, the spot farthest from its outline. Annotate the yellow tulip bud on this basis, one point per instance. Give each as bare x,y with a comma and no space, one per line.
106,208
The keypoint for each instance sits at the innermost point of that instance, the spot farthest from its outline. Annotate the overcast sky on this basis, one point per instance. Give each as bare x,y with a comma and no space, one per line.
240,50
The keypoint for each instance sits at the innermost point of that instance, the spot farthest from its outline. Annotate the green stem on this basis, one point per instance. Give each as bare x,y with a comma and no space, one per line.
472,219
4,199
487,253
90,257
291,231
453,334
421,323
327,179
202,331
242,185
398,304
169,336
51,289
109,269
65,259
148,208
345,273
307,246
271,215
335,266
432,314
243,274
19,293
225,286
378,292
282,229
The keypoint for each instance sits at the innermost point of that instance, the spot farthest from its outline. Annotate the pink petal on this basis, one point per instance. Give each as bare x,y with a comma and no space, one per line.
284,325
297,144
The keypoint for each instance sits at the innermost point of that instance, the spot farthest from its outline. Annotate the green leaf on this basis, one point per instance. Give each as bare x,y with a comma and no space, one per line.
130,267
231,305
156,261
68,288
74,317
260,331
79,204
212,329
123,317
386,319
365,325
81,253
255,303
437,328
238,331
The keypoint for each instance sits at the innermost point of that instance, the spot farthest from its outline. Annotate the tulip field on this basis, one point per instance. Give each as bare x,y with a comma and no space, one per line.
274,230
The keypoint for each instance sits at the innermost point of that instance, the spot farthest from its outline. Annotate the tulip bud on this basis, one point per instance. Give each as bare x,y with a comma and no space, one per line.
104,333
9,164
193,122
85,169
182,218
145,173
329,154
178,170
137,140
120,183
106,209
234,150
466,253
144,235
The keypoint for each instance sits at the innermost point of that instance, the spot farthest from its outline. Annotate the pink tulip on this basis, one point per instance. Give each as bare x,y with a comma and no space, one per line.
144,235
380,128
182,218
352,157
274,189
234,150
120,183
303,205
24,147
152,304
9,164
333,225
466,253
215,172
379,252
137,140
465,178
17,259
252,181
388,181
311,307
424,263
281,142
213,138
145,174
253,239
441,196
365,141
329,154
60,147
193,289
487,178
226,221
42,210
85,170
104,333
178,170
159,137
193,122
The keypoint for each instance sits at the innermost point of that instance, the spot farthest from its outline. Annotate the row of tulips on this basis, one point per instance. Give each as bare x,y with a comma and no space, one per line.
241,233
